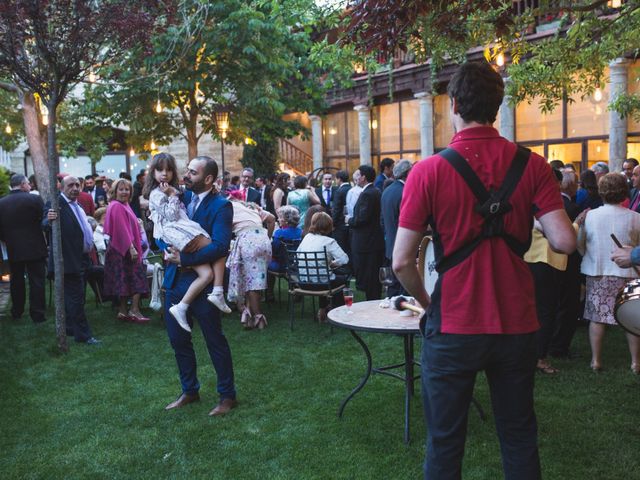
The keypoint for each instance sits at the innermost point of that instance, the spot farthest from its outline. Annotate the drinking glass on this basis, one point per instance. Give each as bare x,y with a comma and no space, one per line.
347,293
385,275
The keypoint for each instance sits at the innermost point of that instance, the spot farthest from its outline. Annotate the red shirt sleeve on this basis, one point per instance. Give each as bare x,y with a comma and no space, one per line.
547,196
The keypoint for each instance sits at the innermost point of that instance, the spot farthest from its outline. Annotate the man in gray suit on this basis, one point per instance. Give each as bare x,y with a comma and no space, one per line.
390,208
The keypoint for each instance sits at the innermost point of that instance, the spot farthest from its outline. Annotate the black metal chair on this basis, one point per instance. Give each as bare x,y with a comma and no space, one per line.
281,255
309,275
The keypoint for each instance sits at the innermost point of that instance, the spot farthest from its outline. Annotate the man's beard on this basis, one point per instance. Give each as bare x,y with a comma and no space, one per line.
196,187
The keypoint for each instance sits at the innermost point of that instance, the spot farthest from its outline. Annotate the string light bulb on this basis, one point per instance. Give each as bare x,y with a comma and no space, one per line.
8,129
132,152
500,59
153,145
597,95
92,76
158,107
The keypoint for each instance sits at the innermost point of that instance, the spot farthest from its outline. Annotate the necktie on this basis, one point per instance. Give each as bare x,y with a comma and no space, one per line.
327,195
635,202
191,209
84,225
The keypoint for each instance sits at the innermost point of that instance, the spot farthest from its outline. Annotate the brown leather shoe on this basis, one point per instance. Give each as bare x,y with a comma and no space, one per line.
224,407
183,400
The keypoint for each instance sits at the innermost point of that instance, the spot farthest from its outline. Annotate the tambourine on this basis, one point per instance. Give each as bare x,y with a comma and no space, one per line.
627,309
427,264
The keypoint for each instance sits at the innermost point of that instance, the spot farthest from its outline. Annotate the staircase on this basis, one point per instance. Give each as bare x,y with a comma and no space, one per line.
295,159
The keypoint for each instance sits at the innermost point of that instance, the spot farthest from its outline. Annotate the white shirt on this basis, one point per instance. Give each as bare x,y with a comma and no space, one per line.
313,242
352,198
595,243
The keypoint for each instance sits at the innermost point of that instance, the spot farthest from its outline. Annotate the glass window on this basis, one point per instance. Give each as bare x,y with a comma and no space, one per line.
633,87
598,151
389,126
334,133
565,152
633,148
79,166
531,124
111,165
410,125
539,149
589,116
354,132
443,129
375,130
353,164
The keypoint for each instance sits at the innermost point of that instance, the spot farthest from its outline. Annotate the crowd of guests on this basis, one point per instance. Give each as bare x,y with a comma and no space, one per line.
120,222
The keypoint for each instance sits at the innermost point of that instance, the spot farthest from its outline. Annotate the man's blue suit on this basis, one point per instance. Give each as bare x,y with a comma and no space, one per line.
215,215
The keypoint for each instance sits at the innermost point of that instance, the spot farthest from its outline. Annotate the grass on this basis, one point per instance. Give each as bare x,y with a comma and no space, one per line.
97,412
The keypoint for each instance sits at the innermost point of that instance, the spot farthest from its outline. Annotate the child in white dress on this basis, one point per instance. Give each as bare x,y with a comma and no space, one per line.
172,225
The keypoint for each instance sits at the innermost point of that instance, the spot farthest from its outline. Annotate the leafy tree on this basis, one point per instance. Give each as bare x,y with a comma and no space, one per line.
259,59
569,63
261,154
46,48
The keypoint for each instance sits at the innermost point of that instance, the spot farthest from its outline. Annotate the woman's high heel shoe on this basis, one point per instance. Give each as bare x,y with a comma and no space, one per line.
260,321
245,319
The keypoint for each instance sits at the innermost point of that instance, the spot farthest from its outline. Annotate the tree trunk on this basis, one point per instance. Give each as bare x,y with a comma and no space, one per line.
37,140
192,142
56,237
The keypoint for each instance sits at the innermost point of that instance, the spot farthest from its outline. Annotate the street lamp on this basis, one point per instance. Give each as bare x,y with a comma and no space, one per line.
221,117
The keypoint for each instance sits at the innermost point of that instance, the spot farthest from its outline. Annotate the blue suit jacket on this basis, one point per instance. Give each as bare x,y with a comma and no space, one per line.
215,215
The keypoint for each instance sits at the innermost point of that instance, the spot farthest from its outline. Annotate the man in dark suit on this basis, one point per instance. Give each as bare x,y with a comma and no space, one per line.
367,240
569,297
215,214
249,194
21,230
326,192
386,169
340,230
391,199
634,204
95,191
77,242
264,189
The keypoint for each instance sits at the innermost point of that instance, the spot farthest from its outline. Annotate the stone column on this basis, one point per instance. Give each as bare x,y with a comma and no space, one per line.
507,127
364,133
426,123
617,125
316,140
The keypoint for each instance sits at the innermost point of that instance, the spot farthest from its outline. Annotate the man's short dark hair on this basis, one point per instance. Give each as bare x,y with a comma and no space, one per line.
478,90
386,163
125,175
17,180
632,161
557,164
88,177
210,166
343,176
367,172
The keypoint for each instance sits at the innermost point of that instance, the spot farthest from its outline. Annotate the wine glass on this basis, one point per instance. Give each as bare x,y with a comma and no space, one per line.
385,275
347,293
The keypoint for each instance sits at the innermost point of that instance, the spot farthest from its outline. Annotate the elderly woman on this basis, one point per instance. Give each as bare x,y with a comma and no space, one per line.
248,260
302,197
604,277
125,275
319,238
288,218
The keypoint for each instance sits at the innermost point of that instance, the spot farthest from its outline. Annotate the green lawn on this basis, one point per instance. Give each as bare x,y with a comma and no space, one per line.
98,412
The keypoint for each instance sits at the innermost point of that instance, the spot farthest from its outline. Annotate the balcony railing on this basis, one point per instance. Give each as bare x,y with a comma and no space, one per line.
297,159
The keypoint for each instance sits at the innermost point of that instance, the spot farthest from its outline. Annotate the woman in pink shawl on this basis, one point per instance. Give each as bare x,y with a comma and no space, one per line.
124,272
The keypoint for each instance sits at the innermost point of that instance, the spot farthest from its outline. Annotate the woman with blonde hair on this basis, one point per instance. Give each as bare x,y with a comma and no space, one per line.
604,277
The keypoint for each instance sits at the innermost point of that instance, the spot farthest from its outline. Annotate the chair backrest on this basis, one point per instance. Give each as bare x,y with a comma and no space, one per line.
284,248
309,267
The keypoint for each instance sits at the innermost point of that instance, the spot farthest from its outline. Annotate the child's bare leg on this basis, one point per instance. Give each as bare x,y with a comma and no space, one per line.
217,295
204,278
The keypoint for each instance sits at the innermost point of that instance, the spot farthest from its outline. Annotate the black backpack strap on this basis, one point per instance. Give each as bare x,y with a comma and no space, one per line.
466,172
491,205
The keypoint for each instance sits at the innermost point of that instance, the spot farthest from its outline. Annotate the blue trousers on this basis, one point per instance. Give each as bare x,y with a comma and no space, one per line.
208,317
449,367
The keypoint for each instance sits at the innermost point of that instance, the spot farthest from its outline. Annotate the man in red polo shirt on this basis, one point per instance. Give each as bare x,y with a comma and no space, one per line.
482,314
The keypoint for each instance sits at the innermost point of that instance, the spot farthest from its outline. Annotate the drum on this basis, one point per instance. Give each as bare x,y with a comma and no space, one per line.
427,264
627,309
